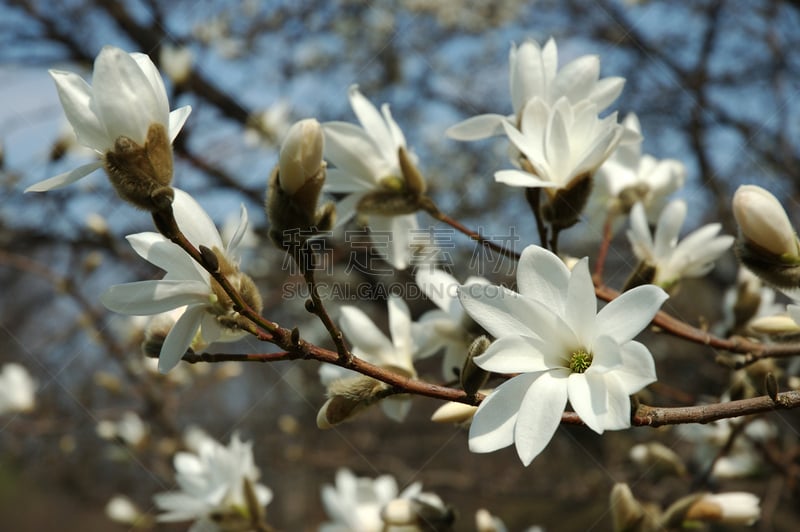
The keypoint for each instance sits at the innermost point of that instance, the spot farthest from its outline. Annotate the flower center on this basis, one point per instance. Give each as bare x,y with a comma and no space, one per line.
580,361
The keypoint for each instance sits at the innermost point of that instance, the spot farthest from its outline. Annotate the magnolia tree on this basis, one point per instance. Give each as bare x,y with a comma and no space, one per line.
515,357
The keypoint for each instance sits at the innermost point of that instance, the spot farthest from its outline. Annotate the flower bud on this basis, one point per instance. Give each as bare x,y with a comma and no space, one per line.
348,397
657,459
763,223
473,377
301,155
453,412
734,508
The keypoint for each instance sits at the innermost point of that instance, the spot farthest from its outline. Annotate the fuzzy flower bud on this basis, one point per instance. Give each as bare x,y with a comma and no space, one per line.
763,223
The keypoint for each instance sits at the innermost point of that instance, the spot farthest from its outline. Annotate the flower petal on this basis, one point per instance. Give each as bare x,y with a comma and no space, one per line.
581,303
518,178
498,309
539,414
399,229
180,338
627,315
159,251
638,368
438,286
493,423
152,297
62,180
366,338
668,228
396,408
76,96
373,123
477,127
543,277
352,151
587,395
513,354
194,222
400,325
177,119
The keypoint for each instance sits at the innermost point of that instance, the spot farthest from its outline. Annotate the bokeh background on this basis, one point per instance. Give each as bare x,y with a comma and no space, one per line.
715,83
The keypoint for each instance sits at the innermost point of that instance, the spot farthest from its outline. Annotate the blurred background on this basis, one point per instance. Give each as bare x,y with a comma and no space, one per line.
716,85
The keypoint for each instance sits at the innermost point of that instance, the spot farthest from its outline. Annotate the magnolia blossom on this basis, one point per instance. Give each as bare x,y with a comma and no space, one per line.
366,160
561,142
185,284
354,504
551,335
533,74
629,176
211,483
448,326
693,256
17,389
763,222
126,97
733,508
370,344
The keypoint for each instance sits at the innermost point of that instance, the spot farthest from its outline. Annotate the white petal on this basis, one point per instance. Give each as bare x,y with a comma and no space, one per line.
75,96
477,127
62,180
372,122
539,415
493,423
241,230
438,286
587,395
396,408
628,314
638,368
578,77
194,222
518,178
400,325
513,354
668,228
124,98
154,77
639,234
346,208
363,333
180,338
606,91
557,147
606,355
397,250
618,405
176,120
498,310
153,297
353,152
581,304
159,251
544,277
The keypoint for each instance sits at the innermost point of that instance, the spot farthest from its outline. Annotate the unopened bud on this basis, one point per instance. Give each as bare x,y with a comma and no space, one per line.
348,397
453,412
658,459
472,376
627,514
763,223
775,325
301,155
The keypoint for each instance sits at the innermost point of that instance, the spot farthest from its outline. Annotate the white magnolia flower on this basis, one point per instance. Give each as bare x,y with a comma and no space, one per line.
693,256
534,74
366,160
126,97
561,142
17,389
211,483
186,282
371,345
563,350
354,504
448,326
130,428
628,176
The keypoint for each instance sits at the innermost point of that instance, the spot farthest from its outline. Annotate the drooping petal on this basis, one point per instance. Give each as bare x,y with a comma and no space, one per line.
543,277
400,230
363,333
75,96
628,314
152,297
180,338
539,414
400,325
477,127
62,180
587,395
493,423
438,286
